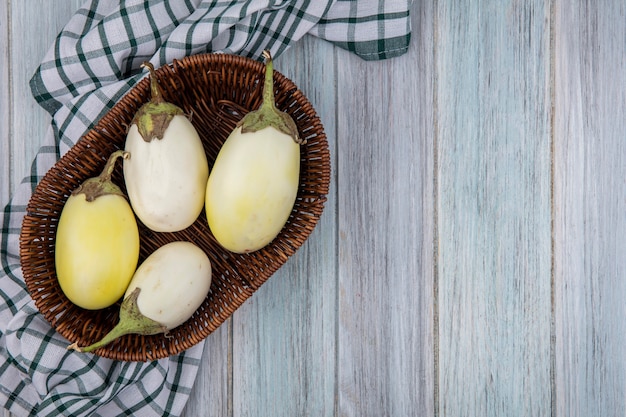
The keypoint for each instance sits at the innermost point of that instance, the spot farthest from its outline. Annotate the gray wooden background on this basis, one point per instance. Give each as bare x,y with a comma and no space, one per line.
471,260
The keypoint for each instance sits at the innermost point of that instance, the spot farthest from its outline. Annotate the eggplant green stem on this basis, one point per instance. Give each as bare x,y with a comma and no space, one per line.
102,184
153,118
131,321
107,172
268,86
267,115
155,91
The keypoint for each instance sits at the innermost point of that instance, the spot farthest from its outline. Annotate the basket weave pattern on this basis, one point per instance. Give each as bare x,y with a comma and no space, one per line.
216,90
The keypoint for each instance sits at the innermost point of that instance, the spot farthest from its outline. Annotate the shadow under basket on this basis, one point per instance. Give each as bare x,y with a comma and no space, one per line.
216,90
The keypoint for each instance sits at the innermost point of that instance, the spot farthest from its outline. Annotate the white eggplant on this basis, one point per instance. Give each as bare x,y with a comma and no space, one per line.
253,184
174,281
167,171
167,288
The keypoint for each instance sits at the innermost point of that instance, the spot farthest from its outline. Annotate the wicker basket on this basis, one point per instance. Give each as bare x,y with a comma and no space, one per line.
217,90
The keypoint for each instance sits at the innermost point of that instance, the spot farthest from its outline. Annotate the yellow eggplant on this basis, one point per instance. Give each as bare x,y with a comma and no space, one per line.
253,184
97,242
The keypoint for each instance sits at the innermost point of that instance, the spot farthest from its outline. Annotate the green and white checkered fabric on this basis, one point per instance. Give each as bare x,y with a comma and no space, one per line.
93,62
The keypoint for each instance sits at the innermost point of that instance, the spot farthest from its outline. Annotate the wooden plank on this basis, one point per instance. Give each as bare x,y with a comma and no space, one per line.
590,208
24,39
5,105
493,209
211,391
284,336
385,225
24,123
29,121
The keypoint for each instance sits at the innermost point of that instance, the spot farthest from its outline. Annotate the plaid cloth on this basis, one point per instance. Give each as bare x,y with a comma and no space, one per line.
93,62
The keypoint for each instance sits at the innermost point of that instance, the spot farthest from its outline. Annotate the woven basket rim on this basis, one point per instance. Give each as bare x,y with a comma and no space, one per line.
216,89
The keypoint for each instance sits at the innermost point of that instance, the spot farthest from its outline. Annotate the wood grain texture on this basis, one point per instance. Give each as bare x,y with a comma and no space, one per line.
25,37
29,122
385,226
493,208
212,390
5,126
5,103
284,336
427,287
590,201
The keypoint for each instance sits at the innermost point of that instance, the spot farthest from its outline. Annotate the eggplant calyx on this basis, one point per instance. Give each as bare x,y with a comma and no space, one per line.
268,114
102,184
154,117
131,321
